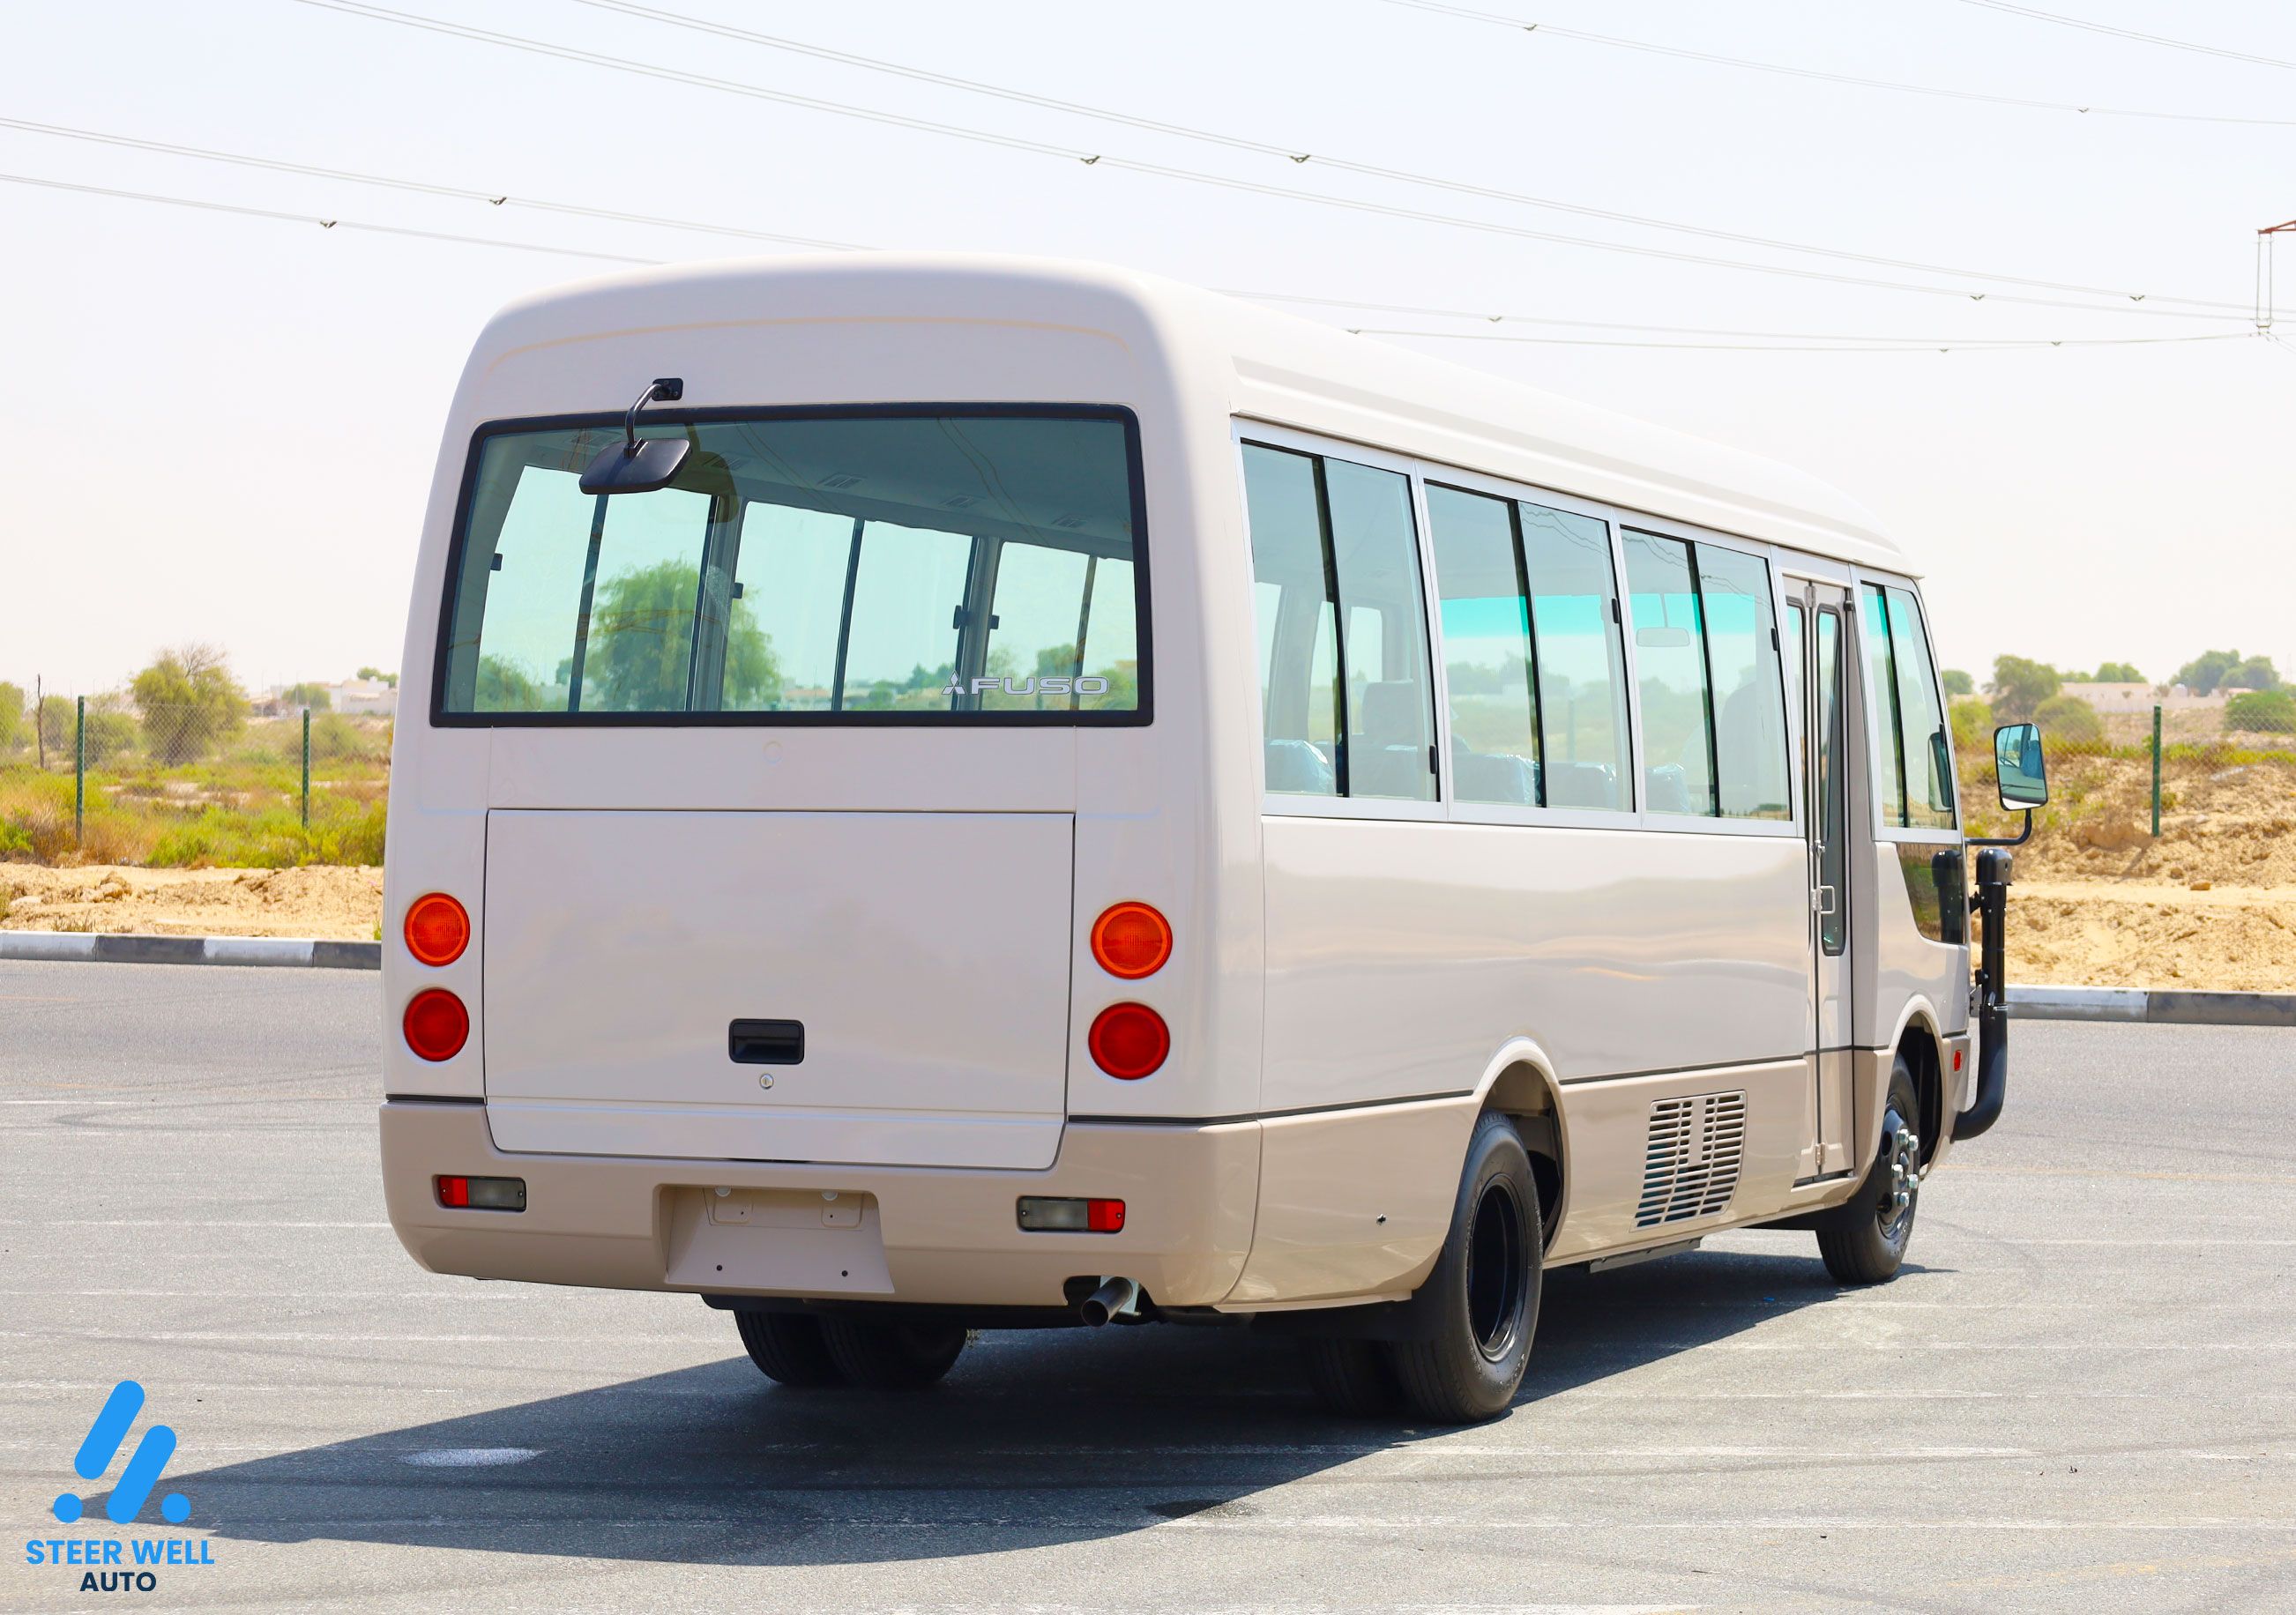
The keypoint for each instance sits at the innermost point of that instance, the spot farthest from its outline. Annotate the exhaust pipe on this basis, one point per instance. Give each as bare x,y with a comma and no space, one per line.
1117,1297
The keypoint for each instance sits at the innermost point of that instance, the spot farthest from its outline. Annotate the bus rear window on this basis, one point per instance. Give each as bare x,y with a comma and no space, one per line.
918,566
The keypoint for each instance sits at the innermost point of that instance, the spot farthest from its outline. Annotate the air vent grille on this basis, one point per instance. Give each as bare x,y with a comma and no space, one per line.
1690,1167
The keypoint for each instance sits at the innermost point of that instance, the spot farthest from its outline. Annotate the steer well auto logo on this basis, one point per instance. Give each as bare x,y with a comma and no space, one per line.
109,1562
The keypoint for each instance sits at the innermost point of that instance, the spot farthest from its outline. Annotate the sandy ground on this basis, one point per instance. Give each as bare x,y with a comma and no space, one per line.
2097,900
2210,904
343,903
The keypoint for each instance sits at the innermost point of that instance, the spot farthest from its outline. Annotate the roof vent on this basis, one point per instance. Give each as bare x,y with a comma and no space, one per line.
840,480
1690,1165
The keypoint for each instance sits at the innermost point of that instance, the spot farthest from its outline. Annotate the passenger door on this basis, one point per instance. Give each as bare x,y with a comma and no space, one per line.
1818,623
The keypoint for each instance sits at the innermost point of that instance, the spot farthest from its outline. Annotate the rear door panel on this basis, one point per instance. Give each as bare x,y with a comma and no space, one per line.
926,954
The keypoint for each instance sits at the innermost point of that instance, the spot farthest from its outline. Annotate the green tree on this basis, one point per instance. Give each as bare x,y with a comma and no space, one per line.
2069,720
2119,673
2270,711
57,715
110,729
314,696
1972,727
1958,683
190,701
379,677
2257,673
641,646
14,725
2207,670
2020,687
504,686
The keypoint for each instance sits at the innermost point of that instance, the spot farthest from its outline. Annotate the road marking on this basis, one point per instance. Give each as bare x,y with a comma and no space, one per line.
468,1457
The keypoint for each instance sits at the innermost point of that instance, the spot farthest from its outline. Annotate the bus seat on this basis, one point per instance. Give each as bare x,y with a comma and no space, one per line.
1390,754
1666,789
1297,766
1581,785
1484,776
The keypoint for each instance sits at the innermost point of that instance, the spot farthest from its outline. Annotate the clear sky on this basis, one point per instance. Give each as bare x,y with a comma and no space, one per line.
223,428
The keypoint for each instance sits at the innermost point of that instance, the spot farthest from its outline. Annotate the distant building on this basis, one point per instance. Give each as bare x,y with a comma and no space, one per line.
2142,699
364,697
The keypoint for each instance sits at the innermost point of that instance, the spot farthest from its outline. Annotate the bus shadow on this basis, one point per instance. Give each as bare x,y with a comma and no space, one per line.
1035,1440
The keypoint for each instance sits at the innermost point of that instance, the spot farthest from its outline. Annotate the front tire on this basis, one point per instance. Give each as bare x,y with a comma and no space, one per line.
1484,1290
879,1356
1863,1242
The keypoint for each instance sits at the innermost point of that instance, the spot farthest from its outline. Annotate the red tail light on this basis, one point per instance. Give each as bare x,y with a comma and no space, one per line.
1131,941
436,1024
1129,1040
438,929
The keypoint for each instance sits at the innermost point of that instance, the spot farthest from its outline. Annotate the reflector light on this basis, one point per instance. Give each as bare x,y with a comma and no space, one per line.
436,1024
438,929
1956,1060
1043,1215
483,1193
1131,941
1128,1041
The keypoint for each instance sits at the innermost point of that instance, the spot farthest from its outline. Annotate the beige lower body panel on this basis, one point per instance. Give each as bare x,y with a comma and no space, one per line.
1354,1204
921,1235
1607,1132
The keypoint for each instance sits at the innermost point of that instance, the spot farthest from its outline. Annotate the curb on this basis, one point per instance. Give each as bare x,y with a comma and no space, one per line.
2158,1007
305,952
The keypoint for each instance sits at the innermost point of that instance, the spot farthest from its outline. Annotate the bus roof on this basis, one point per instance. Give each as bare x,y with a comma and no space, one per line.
1274,366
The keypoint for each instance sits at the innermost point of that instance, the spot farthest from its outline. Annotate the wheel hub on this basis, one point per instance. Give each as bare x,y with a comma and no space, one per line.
1904,1187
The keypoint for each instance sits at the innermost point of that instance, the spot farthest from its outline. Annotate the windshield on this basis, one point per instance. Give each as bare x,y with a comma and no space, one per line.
913,565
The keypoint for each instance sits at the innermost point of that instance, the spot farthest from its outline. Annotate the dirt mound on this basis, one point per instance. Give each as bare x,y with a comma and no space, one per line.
340,902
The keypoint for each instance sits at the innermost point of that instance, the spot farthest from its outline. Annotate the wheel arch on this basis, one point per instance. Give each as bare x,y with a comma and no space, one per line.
1519,1082
1919,1039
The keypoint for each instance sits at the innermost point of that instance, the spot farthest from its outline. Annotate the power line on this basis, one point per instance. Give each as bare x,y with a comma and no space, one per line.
1295,154
460,192
1787,341
2038,15
321,220
359,8
1681,52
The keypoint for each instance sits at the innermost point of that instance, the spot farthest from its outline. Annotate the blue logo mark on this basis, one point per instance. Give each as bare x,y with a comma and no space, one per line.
144,1465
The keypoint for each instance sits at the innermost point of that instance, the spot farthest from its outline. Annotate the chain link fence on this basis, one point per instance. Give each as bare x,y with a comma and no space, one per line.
102,778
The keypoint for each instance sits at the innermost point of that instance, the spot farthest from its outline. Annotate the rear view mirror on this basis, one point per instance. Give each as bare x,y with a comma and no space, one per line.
1662,639
2018,765
638,466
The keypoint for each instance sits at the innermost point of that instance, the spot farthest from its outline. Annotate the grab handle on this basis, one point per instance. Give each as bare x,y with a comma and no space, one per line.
766,1042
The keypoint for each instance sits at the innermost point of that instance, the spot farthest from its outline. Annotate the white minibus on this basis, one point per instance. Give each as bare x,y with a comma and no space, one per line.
937,794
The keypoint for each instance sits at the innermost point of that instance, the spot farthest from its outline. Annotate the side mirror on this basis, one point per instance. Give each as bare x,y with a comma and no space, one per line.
2019,766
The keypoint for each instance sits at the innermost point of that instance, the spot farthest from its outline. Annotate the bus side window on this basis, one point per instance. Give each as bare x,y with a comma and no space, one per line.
1750,703
1298,664
1670,667
1924,740
1375,543
1486,654
1890,765
1581,660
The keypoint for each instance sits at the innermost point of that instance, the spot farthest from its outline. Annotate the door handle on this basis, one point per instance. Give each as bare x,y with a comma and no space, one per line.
1824,900
766,1042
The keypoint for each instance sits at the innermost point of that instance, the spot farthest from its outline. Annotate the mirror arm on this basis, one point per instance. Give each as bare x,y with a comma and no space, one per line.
663,390
2018,839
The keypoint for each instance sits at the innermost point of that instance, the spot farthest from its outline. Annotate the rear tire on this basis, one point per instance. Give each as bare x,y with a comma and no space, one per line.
787,1348
1484,1290
1352,1378
891,1357
1864,1240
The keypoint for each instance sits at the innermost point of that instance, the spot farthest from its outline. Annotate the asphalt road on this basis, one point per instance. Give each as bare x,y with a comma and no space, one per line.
2079,1395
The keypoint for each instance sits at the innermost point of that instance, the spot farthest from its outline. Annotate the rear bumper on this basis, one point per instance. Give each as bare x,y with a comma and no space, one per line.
928,1235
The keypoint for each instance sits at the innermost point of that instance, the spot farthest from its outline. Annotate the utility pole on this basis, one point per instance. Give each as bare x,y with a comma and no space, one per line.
2264,298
